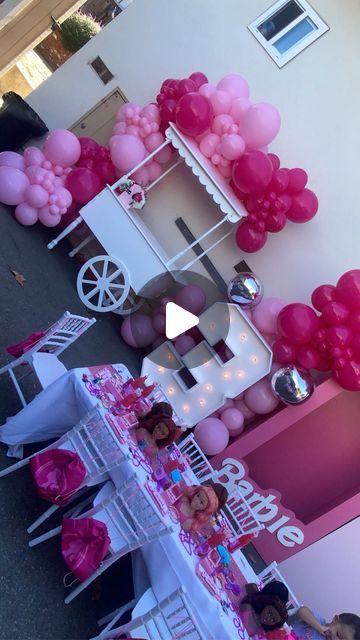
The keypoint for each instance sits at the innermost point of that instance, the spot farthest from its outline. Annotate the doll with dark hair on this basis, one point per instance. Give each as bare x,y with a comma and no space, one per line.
270,610
157,429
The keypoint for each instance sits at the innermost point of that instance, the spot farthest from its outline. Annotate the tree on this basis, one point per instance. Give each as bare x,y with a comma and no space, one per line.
77,30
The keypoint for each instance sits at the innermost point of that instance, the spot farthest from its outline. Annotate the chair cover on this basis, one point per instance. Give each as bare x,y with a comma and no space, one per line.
57,474
84,544
20,348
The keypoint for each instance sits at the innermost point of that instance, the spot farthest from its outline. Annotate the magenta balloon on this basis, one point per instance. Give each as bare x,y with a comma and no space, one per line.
25,214
211,435
89,148
137,330
304,206
232,146
168,110
335,313
159,322
13,184
259,398
248,238
192,298
297,180
297,322
284,351
36,196
348,376
260,125
62,147
265,314
83,185
252,172
322,295
12,159
232,419
193,114
348,289
246,412
235,85
183,344
185,86
198,78
126,152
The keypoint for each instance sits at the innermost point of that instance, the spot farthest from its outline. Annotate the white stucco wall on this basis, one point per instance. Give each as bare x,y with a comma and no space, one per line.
325,575
317,94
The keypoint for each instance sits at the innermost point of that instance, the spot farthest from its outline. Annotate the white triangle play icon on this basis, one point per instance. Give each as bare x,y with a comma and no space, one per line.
178,320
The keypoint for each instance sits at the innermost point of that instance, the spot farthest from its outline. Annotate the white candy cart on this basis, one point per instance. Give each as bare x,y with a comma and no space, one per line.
132,256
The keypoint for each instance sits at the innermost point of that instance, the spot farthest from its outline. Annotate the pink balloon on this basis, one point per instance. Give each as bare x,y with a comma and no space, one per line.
141,176
33,156
13,184
211,435
62,147
235,85
265,314
274,368
225,171
12,159
192,298
25,214
159,322
48,219
65,195
207,89
238,108
137,330
164,155
233,420
184,343
154,170
259,398
119,129
133,130
35,174
232,147
260,125
158,342
151,112
221,102
228,404
246,412
221,124
36,196
209,144
126,152
153,141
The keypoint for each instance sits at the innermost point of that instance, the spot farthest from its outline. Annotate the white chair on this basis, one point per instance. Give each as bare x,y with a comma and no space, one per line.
169,619
239,516
132,520
198,461
271,573
95,442
42,358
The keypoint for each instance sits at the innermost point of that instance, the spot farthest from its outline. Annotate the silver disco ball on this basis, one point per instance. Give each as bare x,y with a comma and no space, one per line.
246,290
291,385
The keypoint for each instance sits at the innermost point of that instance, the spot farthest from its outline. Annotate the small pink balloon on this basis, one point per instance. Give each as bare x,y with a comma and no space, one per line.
232,146
54,210
35,174
225,171
25,214
164,155
238,108
207,89
259,397
119,129
133,130
137,330
154,170
63,194
246,412
209,144
265,314
141,176
211,435
228,404
47,218
13,184
221,102
159,323
238,397
221,124
183,344
235,85
192,298
12,159
233,420
36,196
33,156
151,112
158,342
153,141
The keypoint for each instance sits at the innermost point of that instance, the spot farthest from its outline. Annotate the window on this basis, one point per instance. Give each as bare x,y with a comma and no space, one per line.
287,28
101,70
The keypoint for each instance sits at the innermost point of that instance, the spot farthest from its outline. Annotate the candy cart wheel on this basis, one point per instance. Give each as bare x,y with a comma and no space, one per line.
103,284
131,304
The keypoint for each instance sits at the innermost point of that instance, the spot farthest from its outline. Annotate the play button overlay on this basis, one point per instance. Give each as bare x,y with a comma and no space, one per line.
178,320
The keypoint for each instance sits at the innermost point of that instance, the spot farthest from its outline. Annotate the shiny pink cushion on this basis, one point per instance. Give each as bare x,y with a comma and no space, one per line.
57,474
84,544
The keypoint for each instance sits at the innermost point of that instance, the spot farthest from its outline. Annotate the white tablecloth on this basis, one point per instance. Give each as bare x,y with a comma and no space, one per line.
58,408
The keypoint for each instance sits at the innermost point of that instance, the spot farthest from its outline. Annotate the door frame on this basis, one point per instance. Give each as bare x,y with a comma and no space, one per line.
96,105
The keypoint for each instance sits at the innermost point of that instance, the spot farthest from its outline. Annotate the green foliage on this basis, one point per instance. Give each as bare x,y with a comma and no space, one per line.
77,30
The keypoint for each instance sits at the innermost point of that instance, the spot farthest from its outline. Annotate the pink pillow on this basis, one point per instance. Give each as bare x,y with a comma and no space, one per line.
57,474
84,544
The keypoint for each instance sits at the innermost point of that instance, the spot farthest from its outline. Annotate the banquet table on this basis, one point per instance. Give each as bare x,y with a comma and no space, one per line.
170,561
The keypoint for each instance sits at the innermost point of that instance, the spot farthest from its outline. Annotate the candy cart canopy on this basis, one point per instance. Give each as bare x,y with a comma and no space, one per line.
216,186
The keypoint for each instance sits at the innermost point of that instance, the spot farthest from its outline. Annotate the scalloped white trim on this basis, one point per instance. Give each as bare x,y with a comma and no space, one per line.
216,186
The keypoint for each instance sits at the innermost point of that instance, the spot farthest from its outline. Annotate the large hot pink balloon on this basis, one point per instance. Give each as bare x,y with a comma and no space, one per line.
297,322
252,172
126,152
235,85
12,159
137,330
322,295
211,435
193,114
83,185
260,125
199,78
259,398
13,184
348,289
192,298
348,375
304,206
62,147
250,239
25,214
265,314
89,148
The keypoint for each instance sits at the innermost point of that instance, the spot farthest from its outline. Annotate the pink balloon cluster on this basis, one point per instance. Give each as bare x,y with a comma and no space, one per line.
271,195
35,183
330,341
135,135
172,90
93,171
140,330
